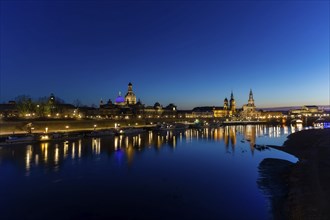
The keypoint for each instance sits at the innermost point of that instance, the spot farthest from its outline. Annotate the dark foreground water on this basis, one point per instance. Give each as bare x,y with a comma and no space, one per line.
197,174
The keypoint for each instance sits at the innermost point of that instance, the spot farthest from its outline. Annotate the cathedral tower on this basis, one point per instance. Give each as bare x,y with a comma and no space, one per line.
232,103
251,100
225,104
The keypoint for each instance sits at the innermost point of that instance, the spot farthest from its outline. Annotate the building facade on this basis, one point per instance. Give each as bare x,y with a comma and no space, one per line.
307,110
227,110
249,110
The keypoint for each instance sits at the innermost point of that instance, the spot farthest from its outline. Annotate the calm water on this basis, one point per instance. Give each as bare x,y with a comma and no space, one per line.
197,174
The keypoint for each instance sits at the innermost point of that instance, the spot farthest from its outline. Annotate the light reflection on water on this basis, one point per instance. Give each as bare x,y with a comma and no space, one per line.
181,167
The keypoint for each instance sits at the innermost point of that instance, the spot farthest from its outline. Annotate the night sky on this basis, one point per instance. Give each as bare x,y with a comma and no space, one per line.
191,53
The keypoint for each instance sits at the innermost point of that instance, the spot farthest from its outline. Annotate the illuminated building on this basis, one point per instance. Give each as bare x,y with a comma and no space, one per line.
9,110
250,107
226,111
202,112
307,110
120,100
130,97
249,110
225,104
232,103
154,111
127,107
269,115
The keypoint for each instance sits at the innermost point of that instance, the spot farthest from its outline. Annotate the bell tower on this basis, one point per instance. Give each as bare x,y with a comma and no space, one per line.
251,100
232,103
225,104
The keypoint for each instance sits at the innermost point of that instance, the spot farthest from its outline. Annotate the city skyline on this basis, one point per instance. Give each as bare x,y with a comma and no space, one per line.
187,53
121,96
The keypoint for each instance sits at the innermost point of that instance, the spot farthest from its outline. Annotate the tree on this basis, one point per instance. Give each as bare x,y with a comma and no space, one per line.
24,105
77,103
43,107
49,106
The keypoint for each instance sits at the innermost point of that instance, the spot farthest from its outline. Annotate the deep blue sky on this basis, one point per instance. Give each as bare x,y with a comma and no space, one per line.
191,53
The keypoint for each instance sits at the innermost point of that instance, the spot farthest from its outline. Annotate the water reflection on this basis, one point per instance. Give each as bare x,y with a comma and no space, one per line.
44,153
28,158
96,146
73,150
51,155
79,148
65,151
295,128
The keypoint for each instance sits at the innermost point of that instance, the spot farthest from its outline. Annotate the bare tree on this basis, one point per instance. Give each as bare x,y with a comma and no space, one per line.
77,103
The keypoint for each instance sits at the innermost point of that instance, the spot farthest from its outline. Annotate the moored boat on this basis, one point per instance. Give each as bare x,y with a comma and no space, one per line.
171,127
21,139
129,131
322,123
296,122
101,133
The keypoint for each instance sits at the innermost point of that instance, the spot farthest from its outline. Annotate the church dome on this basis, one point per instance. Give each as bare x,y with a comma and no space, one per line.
120,99
130,97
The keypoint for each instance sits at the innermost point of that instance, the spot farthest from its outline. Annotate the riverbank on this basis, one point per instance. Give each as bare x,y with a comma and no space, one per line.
69,125
306,183
20,126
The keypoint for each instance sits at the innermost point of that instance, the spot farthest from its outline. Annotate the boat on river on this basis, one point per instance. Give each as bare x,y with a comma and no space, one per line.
171,127
20,139
101,133
129,131
322,123
296,122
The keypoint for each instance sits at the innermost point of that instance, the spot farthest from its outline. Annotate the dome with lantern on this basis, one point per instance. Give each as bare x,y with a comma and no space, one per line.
120,100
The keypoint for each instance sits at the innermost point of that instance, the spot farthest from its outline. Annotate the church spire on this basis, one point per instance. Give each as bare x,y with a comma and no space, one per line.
251,101
232,103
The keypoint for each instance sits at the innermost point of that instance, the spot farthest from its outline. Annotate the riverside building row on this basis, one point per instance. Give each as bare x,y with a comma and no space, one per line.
128,107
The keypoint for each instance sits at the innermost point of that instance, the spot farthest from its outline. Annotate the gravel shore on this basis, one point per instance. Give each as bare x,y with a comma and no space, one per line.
304,189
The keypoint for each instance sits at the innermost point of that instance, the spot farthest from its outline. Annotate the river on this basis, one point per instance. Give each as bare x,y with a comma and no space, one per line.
208,173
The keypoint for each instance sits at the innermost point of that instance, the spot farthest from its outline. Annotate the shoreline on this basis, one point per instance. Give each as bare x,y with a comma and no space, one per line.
8,128
304,187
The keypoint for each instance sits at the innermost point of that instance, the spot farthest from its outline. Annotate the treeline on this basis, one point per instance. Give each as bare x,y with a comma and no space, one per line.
43,107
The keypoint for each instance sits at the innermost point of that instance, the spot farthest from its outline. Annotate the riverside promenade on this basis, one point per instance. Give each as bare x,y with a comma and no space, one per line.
10,127
49,126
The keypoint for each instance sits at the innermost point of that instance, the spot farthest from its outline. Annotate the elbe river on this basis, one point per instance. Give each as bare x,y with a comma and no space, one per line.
208,173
